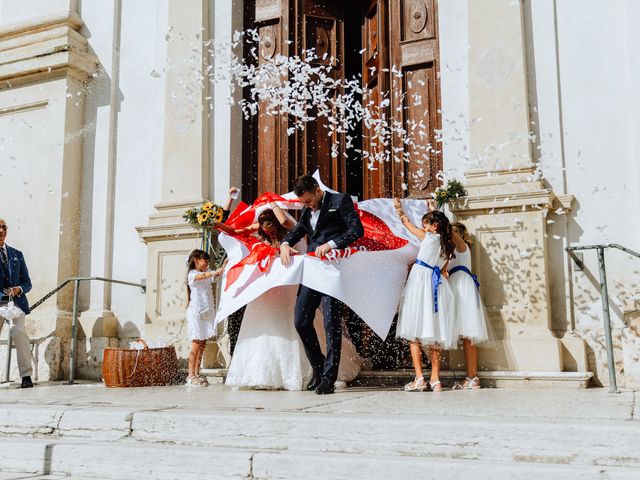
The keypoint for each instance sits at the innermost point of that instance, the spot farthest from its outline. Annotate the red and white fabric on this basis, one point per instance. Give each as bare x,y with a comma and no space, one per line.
369,276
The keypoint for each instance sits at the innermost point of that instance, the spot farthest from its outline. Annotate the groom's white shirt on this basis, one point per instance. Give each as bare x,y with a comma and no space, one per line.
315,215
313,221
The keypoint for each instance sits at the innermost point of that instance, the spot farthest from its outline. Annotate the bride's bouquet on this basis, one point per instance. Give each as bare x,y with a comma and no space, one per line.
207,215
205,218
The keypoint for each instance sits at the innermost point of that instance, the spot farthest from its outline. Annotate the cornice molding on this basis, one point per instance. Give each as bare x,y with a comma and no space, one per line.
44,48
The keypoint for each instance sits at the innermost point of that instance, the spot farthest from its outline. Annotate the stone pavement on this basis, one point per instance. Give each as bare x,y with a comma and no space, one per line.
88,431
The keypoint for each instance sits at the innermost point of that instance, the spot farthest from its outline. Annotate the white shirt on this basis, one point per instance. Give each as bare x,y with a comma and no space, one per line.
313,221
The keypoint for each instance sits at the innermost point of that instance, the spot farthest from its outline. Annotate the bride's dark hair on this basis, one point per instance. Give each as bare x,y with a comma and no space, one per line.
443,228
268,219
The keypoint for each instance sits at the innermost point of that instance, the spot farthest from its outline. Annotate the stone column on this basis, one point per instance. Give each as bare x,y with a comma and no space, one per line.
185,173
44,63
507,202
99,323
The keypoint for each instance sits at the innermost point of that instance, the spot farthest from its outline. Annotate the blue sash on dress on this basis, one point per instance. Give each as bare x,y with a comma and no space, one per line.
459,268
436,280
462,268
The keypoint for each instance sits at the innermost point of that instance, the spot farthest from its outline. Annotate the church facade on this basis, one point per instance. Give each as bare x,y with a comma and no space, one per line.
110,130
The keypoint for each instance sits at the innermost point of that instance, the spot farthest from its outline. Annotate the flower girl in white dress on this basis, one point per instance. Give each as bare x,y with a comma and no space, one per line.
200,312
427,313
471,320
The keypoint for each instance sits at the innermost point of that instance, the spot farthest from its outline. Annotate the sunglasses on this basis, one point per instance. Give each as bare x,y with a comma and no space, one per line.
3,227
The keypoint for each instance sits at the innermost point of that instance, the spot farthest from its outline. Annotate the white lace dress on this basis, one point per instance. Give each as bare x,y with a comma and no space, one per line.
269,353
201,310
471,320
418,319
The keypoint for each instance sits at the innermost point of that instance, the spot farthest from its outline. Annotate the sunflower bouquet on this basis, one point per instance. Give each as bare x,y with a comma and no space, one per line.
205,216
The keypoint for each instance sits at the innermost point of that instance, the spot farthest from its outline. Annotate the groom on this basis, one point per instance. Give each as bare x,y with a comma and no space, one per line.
330,222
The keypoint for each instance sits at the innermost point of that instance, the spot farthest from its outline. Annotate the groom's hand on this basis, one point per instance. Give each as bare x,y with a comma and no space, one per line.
285,254
323,249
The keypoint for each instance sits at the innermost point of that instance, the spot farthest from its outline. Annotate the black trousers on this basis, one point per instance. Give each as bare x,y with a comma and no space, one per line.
307,303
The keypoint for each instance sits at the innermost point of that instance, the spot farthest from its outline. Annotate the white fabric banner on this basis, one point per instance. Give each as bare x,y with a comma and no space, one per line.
369,282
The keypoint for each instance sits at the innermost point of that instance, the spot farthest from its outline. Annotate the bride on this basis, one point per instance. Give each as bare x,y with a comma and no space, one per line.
269,353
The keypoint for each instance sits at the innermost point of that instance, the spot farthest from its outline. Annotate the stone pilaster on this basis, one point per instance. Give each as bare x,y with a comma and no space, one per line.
44,63
507,202
185,173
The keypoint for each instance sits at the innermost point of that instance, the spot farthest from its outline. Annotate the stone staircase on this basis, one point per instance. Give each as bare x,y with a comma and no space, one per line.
247,440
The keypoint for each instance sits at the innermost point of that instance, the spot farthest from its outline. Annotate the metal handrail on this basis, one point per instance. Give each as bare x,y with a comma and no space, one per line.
604,297
74,326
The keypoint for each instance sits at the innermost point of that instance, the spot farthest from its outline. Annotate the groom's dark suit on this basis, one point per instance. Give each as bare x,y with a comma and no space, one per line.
337,222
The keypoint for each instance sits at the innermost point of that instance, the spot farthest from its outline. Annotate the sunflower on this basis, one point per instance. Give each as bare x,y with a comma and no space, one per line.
217,215
441,197
203,217
208,207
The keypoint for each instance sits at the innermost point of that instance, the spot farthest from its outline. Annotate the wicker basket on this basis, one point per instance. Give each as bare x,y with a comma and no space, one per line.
139,368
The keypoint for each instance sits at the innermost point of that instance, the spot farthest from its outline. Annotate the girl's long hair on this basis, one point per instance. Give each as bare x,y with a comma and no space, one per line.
193,256
461,229
268,219
443,228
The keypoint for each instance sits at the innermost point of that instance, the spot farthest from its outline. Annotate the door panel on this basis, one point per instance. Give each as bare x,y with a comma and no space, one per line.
272,22
375,74
415,100
322,29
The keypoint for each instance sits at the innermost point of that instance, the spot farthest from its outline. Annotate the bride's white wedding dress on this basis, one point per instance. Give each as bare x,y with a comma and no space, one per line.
269,353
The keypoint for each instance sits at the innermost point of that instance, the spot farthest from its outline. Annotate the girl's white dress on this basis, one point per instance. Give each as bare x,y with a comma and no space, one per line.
417,317
471,321
201,310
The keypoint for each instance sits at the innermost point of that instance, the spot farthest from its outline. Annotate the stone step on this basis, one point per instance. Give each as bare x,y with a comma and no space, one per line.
21,476
491,439
500,379
130,459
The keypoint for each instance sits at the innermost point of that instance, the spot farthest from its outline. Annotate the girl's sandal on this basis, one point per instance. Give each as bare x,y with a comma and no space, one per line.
417,385
196,381
472,384
436,386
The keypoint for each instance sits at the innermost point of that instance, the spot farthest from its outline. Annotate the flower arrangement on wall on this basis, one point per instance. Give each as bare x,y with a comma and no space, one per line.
451,191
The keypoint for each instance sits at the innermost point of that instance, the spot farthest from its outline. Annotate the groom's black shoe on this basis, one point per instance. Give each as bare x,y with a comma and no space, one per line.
315,382
26,382
325,388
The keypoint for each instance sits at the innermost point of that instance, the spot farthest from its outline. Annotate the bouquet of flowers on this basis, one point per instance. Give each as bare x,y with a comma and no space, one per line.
205,216
454,189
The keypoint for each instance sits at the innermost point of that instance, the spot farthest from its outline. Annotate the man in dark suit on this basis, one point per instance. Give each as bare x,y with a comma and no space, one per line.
330,222
15,284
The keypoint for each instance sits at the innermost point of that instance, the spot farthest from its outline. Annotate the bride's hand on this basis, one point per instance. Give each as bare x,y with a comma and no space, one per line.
285,254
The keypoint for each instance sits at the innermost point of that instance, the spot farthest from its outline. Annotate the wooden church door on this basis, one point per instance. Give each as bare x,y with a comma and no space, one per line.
399,66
